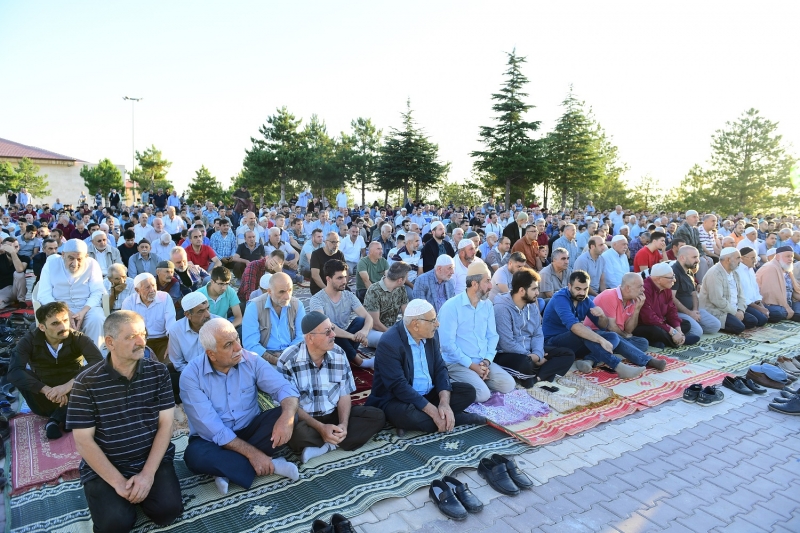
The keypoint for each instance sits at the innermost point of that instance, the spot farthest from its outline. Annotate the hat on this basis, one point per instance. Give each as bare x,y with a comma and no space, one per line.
782,249
691,212
75,245
311,321
470,234
463,243
444,260
477,268
417,307
772,372
141,277
166,264
618,238
660,269
192,300
97,233
436,224
772,251
727,251
750,230
263,283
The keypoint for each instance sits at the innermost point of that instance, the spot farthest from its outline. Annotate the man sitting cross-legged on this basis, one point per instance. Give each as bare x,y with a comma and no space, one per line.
721,294
121,413
272,321
320,372
156,308
684,293
659,322
563,326
45,362
519,327
411,384
184,337
469,338
228,435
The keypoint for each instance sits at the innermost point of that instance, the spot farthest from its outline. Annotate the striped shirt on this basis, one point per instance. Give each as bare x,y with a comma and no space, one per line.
320,388
124,413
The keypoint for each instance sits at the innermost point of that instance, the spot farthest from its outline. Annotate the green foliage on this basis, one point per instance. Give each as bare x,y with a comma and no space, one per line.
25,175
512,157
646,196
408,158
324,160
458,194
749,170
204,187
103,177
151,174
359,151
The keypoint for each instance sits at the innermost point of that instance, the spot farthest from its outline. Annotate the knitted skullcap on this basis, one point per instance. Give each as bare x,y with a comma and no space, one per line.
263,283
463,243
782,249
417,307
477,268
166,264
97,233
311,321
618,238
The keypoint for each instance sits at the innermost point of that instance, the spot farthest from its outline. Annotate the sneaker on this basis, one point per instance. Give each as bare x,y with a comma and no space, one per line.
691,393
710,396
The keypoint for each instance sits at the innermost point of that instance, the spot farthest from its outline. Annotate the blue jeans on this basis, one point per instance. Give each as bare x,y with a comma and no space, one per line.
780,313
761,317
588,349
347,345
735,326
296,278
633,350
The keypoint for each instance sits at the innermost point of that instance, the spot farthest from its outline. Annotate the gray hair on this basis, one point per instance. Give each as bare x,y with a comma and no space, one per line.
118,267
399,269
249,231
176,250
475,278
459,230
522,215
411,235
114,322
386,227
709,216
208,333
558,252
629,277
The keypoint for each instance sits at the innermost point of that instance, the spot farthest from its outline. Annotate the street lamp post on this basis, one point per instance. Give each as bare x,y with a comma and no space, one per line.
133,141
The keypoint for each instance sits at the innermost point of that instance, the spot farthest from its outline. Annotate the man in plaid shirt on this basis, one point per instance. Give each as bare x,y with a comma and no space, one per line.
320,372
224,243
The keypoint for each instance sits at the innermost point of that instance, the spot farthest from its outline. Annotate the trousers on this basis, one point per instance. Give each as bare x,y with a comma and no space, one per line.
708,323
588,349
658,334
557,363
780,313
364,422
736,326
15,292
499,380
760,317
406,416
41,406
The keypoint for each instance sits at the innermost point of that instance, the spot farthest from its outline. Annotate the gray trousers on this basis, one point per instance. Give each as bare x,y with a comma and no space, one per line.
708,323
498,381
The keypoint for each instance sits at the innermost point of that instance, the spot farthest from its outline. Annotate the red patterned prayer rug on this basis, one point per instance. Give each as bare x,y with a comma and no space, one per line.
363,379
36,460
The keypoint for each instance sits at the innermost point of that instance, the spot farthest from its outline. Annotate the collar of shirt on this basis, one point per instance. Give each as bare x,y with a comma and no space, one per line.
116,376
411,340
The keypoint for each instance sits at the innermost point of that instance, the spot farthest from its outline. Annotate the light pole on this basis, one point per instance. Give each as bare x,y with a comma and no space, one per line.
133,142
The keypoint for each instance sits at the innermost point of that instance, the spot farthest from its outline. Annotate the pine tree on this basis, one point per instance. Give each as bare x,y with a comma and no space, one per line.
151,174
512,157
26,175
103,177
204,187
361,148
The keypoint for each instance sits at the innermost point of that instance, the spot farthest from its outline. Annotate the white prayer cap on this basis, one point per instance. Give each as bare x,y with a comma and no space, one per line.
444,260
660,269
75,245
691,212
463,243
263,283
191,300
98,233
727,251
435,225
141,277
418,307
750,230
618,238
771,251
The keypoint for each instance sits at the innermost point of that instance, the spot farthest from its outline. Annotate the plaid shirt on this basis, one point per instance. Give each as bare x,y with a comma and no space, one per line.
320,388
224,246
251,278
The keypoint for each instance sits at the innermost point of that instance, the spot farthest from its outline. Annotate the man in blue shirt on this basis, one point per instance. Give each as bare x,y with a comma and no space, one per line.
563,326
469,336
616,261
229,437
272,321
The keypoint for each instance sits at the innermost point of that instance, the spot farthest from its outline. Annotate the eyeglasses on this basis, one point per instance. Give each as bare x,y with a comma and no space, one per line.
431,320
336,241
328,332
670,278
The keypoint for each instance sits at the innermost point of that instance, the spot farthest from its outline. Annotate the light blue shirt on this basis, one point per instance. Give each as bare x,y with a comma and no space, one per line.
616,265
422,376
569,246
218,404
279,338
184,343
467,334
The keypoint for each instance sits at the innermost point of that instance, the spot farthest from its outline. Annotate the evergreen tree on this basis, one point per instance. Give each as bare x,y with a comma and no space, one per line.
103,177
361,149
407,159
152,170
610,189
322,169
276,158
204,187
26,175
512,157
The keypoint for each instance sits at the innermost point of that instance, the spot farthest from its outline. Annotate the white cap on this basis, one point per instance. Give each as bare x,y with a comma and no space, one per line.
75,245
436,224
661,269
418,307
192,300
141,277
618,238
750,230
727,251
463,243
97,233
444,260
771,251
263,283
691,212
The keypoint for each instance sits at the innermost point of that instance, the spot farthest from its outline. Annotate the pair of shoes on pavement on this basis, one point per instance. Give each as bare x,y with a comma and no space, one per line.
703,396
789,365
453,498
503,475
744,386
787,403
339,524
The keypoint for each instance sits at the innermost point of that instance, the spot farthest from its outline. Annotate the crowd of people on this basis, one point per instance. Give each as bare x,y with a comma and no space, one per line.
142,307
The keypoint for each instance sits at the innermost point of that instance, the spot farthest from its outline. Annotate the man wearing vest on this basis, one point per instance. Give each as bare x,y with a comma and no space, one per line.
272,321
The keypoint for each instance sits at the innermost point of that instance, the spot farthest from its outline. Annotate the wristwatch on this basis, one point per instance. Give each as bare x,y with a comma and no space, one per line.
673,331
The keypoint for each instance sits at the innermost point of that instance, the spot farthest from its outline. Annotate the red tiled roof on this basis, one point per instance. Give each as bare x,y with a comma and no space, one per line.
14,149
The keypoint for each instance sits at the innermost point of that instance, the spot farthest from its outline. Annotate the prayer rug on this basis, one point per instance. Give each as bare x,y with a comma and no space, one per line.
363,378
512,408
36,460
766,334
337,482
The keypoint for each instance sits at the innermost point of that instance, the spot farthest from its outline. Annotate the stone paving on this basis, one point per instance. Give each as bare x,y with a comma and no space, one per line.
732,467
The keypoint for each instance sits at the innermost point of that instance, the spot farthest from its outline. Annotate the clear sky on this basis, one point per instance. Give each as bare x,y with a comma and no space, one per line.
660,77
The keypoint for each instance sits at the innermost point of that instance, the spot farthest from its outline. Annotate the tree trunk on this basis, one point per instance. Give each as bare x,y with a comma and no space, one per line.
545,194
563,198
405,192
363,193
283,189
416,192
386,198
508,193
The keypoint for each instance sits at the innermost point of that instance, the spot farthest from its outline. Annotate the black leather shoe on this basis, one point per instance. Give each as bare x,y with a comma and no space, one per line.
320,526
497,477
341,524
753,386
791,390
470,502
446,501
736,384
519,477
792,407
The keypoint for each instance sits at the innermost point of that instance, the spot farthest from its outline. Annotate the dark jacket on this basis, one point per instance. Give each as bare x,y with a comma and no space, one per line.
394,370
31,349
512,232
430,253
38,264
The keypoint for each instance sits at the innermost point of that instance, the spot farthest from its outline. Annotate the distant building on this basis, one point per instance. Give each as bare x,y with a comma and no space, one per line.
63,172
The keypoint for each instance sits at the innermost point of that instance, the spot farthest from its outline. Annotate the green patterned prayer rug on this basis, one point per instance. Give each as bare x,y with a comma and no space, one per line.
337,482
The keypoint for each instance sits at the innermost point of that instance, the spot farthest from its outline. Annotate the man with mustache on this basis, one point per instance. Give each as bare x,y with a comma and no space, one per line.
157,309
779,289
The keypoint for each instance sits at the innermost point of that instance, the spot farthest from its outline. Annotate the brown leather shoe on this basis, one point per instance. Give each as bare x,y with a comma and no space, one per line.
763,380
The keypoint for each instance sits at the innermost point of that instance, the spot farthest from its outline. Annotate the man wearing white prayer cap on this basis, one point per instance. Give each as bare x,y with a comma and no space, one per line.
721,294
76,280
100,251
463,259
184,336
616,261
157,309
411,384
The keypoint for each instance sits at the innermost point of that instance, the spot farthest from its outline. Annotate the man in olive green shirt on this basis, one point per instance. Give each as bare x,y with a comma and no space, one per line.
370,269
